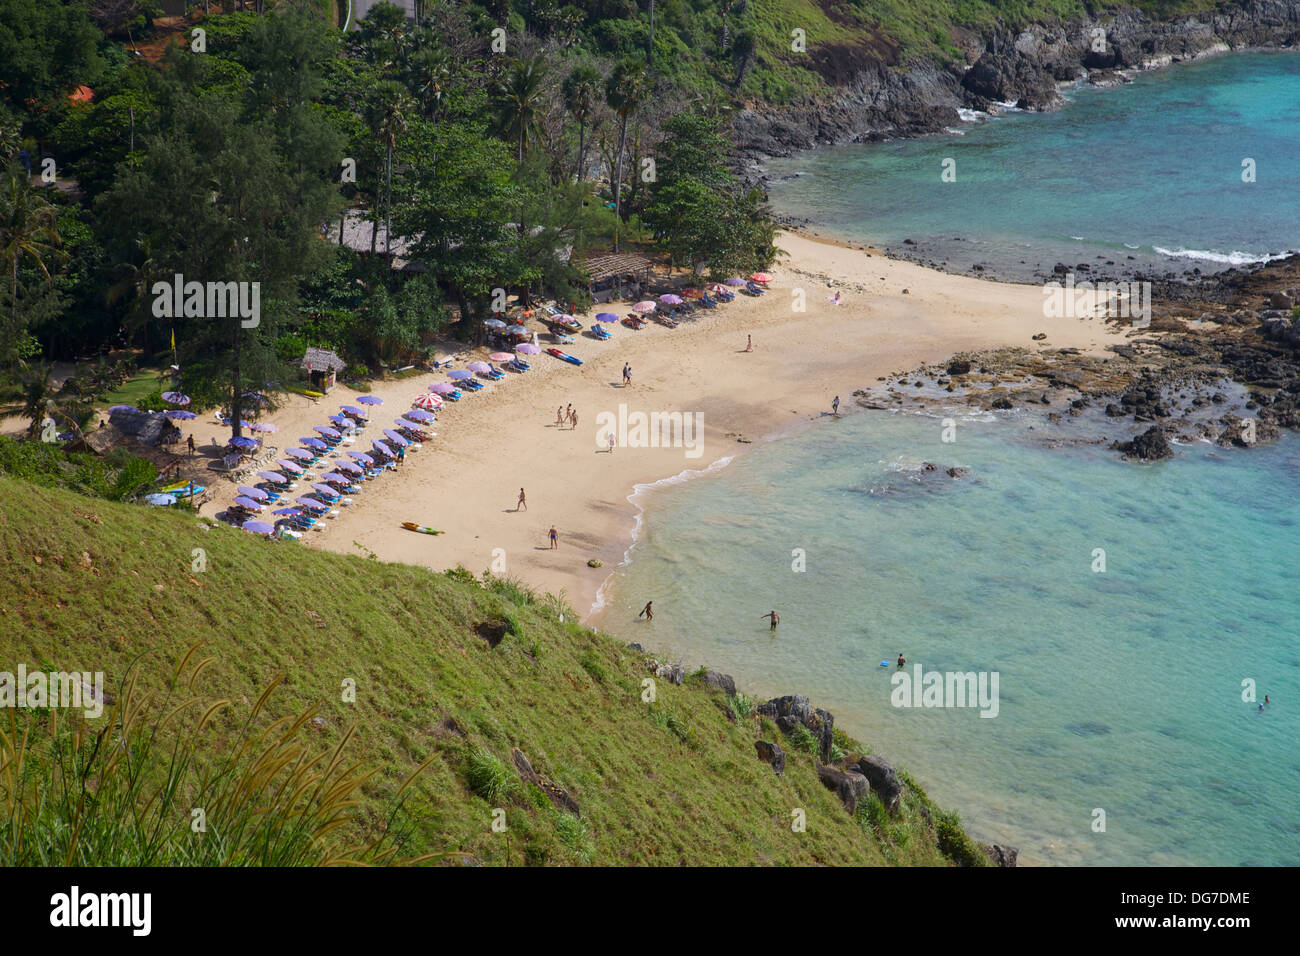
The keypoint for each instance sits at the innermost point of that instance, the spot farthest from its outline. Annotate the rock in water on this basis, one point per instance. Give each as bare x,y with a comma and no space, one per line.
1002,855
1151,445
770,752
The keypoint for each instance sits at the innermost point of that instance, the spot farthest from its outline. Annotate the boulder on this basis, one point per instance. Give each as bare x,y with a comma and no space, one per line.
849,786
796,706
959,367
673,673
722,682
1151,445
823,725
958,472
1001,855
882,778
771,752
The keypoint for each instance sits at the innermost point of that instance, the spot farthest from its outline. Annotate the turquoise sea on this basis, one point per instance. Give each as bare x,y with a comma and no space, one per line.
1119,690
1148,175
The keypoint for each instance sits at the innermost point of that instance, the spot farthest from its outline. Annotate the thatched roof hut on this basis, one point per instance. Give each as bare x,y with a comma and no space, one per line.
146,428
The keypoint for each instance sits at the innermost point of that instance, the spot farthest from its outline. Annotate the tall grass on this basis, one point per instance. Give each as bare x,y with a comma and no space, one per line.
139,785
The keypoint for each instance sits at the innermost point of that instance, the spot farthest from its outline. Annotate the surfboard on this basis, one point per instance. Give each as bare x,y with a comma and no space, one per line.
884,663
423,529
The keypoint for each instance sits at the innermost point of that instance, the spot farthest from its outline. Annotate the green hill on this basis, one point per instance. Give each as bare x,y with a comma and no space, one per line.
449,673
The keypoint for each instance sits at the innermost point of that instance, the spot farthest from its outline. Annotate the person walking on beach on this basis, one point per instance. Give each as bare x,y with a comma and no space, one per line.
627,375
749,343
190,442
559,415
835,406
574,418
568,413
555,538
611,443
522,503
776,619
647,611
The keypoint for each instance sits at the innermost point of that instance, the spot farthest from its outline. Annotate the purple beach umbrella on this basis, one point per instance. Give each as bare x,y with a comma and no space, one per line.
370,400
179,414
528,348
266,427
606,317
248,503
395,437
288,512
326,431
479,367
351,467
420,415
460,375
312,503
292,467
274,477
302,454
175,398
442,388
314,443
353,410
324,489
258,527
383,449
257,493
361,456
242,442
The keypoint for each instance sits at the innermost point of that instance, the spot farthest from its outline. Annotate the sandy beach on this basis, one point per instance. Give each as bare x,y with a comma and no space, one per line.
489,445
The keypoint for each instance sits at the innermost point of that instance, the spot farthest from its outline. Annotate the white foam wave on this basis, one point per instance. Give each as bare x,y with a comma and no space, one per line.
1223,258
970,116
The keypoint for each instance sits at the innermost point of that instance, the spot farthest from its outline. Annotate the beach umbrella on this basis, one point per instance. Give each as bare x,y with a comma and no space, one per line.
606,317
370,400
719,288
518,330
427,400
646,306
290,466
274,477
326,431
501,356
266,427
495,324
251,504
356,412
735,281
760,277
403,423
325,489
528,348
691,293
442,388
361,456
311,503
479,367
301,454
395,437
383,449
242,442
258,527
351,467
460,375
178,414
343,421
333,476
123,408
420,415
289,512
160,499
256,493
175,398
315,443
670,299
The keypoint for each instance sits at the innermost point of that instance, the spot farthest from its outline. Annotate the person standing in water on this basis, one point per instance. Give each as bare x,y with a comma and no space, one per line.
901,659
522,503
835,406
776,619
647,611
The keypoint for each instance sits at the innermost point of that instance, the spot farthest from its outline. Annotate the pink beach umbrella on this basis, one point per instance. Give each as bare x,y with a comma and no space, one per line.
501,356
427,401
646,306
479,367
528,348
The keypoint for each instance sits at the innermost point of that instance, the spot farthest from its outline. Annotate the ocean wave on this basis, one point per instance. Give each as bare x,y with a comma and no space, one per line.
970,116
634,498
1222,258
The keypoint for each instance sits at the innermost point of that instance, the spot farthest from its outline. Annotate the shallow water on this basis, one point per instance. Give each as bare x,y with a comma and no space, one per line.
1149,174
1119,690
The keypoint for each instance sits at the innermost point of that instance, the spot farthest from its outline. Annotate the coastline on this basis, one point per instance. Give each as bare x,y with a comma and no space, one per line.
894,316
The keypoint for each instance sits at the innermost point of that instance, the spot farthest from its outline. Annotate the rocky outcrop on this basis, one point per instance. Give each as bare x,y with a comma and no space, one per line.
723,682
875,98
560,797
771,753
884,782
793,711
1001,855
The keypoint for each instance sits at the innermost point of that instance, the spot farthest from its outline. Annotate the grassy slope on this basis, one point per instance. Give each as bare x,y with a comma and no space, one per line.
568,697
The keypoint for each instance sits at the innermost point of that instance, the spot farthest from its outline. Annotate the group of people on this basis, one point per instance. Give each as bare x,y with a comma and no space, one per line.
567,415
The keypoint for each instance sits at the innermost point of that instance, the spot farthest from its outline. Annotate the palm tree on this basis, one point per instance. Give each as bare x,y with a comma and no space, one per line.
28,228
517,101
429,72
581,87
388,120
625,91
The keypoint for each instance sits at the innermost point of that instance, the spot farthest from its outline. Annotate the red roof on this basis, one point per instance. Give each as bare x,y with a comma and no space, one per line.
82,94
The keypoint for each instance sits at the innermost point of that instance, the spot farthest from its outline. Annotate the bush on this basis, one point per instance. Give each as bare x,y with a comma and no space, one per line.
801,738
953,841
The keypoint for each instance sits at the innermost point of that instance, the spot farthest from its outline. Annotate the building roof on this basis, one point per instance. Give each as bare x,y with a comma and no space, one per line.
322,360
612,265
147,428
